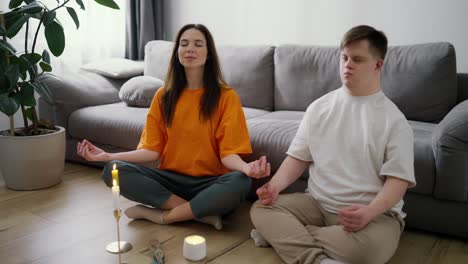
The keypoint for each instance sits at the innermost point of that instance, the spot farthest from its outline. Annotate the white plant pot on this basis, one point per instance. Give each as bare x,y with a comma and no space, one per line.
34,162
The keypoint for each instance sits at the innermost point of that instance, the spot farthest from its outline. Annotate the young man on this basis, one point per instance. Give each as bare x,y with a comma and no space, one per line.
359,150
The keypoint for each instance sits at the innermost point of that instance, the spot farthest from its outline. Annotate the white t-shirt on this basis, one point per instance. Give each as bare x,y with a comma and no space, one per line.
353,142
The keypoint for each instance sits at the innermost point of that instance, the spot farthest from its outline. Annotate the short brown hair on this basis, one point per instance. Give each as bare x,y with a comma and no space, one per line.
377,39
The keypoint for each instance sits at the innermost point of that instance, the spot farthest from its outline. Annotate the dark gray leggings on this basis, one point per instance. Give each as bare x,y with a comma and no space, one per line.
207,195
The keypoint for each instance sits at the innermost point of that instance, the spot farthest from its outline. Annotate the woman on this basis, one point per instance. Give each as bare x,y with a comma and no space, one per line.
197,129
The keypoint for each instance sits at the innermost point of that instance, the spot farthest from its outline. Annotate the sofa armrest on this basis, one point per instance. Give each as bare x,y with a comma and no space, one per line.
75,90
450,146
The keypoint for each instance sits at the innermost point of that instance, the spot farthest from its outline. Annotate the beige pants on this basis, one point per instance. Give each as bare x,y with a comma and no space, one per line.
301,231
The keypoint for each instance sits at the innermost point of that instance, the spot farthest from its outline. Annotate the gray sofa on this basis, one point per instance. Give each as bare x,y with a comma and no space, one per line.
276,84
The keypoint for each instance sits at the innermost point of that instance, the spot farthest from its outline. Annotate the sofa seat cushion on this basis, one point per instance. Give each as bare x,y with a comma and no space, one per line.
284,115
424,163
271,134
253,112
112,124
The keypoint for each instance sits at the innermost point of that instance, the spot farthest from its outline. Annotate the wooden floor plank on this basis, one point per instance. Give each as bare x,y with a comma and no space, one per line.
73,222
414,248
248,253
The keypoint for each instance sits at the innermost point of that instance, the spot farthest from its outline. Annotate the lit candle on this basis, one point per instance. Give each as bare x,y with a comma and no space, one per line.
115,174
194,248
115,194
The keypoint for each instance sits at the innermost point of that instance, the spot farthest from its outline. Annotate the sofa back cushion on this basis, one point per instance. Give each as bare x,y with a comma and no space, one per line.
157,56
248,69
303,74
420,79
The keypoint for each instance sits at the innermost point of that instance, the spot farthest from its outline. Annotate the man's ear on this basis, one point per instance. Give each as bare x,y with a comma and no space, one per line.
379,64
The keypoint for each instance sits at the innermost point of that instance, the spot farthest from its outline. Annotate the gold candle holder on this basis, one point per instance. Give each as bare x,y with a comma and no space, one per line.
118,246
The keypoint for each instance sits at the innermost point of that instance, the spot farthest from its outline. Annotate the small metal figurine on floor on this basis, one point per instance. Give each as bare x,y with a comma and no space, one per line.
158,253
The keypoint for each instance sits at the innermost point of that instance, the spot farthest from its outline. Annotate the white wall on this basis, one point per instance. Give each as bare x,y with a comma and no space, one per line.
323,22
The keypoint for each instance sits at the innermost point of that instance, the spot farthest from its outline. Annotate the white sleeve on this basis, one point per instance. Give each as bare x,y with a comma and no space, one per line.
399,156
299,147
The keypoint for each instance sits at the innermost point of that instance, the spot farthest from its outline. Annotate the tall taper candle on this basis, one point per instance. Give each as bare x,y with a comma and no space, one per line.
115,194
115,174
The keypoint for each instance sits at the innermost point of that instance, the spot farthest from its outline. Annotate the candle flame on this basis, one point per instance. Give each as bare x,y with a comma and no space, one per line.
114,167
195,240
114,182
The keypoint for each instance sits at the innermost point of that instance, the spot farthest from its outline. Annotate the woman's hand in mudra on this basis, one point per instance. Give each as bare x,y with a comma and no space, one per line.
257,169
90,152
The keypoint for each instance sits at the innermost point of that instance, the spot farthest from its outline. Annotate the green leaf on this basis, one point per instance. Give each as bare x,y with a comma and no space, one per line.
23,75
13,74
5,46
22,62
43,90
10,18
108,3
8,105
29,113
46,56
2,31
16,26
80,3
55,38
33,58
14,3
74,16
45,66
26,95
4,84
31,8
32,70
48,18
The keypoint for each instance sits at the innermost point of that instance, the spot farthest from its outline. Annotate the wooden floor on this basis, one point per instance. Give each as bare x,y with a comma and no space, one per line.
73,222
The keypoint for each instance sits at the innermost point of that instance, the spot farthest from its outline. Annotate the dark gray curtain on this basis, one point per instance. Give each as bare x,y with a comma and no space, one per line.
144,23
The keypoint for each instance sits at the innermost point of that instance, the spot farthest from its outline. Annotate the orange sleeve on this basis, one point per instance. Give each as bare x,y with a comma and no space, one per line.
232,134
154,134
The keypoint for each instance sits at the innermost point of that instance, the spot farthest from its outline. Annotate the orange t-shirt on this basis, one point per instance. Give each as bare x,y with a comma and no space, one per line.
191,146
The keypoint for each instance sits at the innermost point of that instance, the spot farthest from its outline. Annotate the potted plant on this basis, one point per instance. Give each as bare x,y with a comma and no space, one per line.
32,156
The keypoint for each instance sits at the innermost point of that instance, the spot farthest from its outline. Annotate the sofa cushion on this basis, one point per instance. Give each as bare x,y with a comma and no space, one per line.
253,112
272,133
157,57
117,68
139,91
112,124
424,164
303,74
249,70
421,80
284,115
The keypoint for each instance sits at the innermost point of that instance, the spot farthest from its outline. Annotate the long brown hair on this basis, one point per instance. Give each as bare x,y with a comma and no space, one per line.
176,81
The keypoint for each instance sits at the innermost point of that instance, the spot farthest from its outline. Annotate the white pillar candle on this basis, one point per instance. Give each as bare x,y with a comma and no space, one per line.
115,194
194,248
